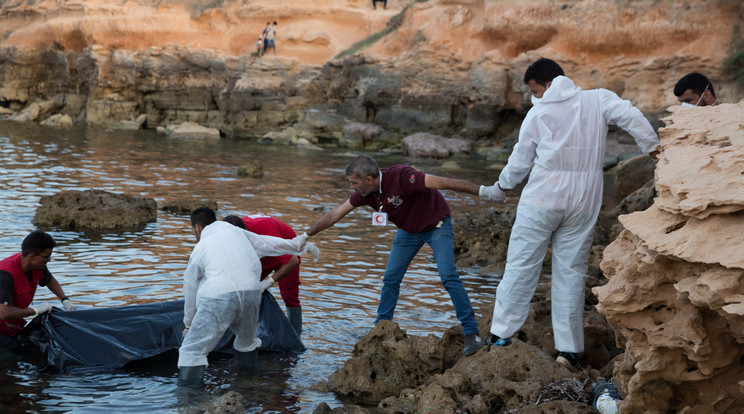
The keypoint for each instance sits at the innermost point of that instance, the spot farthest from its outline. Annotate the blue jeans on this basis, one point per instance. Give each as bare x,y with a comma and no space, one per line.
405,247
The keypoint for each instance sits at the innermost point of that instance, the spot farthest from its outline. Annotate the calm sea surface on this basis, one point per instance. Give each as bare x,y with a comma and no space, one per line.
339,295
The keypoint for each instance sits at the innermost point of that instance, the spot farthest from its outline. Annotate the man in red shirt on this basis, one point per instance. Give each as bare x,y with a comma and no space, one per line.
409,199
20,274
286,269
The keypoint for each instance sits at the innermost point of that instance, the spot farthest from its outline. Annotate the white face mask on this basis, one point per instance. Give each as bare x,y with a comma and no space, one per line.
699,100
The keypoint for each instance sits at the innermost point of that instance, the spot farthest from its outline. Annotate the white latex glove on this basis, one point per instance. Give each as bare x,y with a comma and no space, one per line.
184,332
41,308
492,192
314,251
266,283
68,305
300,241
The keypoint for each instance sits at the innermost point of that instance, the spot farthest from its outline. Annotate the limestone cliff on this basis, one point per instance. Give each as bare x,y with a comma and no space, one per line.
675,295
448,67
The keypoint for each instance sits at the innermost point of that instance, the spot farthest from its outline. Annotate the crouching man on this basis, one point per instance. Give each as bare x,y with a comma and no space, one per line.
222,290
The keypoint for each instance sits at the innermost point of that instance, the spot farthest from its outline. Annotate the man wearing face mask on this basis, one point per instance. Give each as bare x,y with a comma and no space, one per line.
694,89
561,146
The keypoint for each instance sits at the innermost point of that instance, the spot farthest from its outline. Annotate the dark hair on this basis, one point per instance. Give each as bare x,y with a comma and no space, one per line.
203,216
274,23
542,71
235,221
696,82
36,242
362,166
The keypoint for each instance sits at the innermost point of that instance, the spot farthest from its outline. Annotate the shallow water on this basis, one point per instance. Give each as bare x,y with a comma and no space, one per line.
339,294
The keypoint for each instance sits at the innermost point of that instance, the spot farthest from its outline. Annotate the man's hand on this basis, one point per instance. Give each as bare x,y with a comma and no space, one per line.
67,304
300,240
266,283
492,192
184,332
314,251
43,307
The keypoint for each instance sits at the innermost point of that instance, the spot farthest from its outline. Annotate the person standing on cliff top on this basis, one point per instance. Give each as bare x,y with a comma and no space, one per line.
694,89
270,35
20,274
561,146
409,199
284,270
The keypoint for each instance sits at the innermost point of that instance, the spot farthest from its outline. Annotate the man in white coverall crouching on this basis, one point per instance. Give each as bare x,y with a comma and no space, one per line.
562,139
222,290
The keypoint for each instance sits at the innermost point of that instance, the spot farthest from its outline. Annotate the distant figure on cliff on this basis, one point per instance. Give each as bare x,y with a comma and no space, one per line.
561,146
259,46
694,89
269,38
285,269
384,4
409,199
20,275
264,35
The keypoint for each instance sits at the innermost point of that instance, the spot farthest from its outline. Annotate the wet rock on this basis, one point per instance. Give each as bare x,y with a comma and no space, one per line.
228,403
633,173
357,135
387,360
191,130
482,239
94,210
252,169
30,113
324,408
58,120
187,205
427,145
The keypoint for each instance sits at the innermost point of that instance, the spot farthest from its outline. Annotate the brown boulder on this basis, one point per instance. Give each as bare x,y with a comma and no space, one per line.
187,205
94,210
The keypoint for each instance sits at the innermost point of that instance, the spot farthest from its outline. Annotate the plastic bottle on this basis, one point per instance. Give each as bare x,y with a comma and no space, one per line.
606,404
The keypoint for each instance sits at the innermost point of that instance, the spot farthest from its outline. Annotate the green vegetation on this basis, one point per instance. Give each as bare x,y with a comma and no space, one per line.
391,25
734,65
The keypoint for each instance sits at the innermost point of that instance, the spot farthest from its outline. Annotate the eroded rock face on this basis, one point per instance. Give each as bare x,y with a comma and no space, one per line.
94,210
674,295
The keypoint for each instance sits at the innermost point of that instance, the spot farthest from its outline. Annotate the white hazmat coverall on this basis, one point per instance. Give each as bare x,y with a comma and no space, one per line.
564,136
221,289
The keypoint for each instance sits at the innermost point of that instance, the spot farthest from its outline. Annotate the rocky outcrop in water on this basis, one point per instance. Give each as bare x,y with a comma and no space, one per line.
674,295
96,210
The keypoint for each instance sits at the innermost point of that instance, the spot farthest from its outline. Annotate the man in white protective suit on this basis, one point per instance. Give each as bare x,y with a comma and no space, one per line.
562,140
222,290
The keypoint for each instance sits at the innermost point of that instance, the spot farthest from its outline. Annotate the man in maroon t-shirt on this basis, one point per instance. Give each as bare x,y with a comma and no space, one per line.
286,269
409,199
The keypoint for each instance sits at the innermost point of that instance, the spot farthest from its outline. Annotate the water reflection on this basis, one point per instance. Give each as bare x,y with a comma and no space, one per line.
339,294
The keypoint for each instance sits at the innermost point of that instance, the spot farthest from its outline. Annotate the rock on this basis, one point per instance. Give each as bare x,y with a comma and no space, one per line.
504,378
323,408
94,210
30,113
228,403
58,120
633,173
191,130
387,360
673,294
251,168
427,145
187,205
357,135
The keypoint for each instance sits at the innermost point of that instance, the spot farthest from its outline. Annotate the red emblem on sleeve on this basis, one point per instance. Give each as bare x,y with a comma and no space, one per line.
412,180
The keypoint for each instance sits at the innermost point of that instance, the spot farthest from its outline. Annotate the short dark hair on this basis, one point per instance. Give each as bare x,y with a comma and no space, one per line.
274,23
235,221
696,82
362,166
203,216
542,71
36,242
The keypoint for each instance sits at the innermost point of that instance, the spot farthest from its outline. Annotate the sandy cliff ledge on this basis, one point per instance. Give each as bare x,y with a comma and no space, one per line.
675,295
